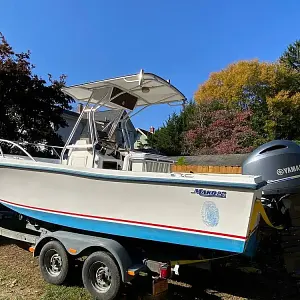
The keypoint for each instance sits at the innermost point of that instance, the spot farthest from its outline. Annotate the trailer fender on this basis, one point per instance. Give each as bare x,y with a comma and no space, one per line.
75,244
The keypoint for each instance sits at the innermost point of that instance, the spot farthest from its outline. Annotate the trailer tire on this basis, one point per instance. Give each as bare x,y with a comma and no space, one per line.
54,263
101,276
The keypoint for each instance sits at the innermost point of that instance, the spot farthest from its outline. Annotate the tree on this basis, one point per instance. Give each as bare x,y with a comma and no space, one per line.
239,84
168,138
206,128
31,110
257,86
215,130
283,121
291,56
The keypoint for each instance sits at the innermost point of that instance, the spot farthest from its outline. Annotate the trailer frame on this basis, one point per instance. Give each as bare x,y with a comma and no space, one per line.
67,245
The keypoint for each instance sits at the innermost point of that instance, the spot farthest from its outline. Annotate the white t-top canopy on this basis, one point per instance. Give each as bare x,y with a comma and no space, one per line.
142,89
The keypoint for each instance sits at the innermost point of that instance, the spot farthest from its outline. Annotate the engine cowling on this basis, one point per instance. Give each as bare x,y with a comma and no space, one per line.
278,162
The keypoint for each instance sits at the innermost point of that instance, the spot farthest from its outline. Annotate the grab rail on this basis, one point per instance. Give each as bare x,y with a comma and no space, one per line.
44,145
16,145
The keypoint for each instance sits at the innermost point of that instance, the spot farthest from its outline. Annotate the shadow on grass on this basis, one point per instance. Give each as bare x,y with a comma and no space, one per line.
227,281
203,284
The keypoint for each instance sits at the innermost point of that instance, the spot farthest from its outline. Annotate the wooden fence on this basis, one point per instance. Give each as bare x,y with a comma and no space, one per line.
207,169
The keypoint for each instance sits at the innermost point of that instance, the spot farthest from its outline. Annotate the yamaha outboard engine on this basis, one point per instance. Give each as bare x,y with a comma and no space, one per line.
278,162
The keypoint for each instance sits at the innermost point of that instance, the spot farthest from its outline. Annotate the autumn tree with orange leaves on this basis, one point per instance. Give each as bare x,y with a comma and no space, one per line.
271,91
239,108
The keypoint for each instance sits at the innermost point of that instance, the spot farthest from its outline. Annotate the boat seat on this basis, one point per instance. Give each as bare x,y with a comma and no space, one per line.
81,157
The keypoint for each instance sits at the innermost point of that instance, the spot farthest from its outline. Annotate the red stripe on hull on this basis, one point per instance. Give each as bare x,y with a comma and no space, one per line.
127,221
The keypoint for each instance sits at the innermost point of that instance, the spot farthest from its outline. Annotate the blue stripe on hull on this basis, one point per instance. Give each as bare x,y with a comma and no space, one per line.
252,245
148,233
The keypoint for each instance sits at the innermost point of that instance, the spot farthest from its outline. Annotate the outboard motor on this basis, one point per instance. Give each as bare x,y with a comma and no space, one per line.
278,162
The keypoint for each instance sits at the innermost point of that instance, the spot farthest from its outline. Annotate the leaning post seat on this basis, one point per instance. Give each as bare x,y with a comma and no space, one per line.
80,154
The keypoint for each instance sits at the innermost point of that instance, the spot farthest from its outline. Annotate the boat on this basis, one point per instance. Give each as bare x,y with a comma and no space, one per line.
96,186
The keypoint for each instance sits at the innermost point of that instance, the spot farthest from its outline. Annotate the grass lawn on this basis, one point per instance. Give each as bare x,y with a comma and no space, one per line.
20,278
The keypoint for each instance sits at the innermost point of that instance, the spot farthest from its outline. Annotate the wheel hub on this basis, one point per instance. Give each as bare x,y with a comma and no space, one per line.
102,278
55,264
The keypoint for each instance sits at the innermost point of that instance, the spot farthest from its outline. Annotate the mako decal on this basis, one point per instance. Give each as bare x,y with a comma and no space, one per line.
209,193
288,170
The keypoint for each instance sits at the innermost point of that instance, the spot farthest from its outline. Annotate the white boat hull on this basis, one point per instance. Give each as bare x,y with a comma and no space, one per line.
209,211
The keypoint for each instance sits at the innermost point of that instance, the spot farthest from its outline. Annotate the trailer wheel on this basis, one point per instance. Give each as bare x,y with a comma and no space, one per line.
101,276
54,263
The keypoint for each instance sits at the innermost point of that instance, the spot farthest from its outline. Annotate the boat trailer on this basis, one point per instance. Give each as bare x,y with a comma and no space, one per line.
57,250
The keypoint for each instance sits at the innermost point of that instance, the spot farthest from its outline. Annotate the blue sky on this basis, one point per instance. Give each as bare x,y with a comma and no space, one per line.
179,40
